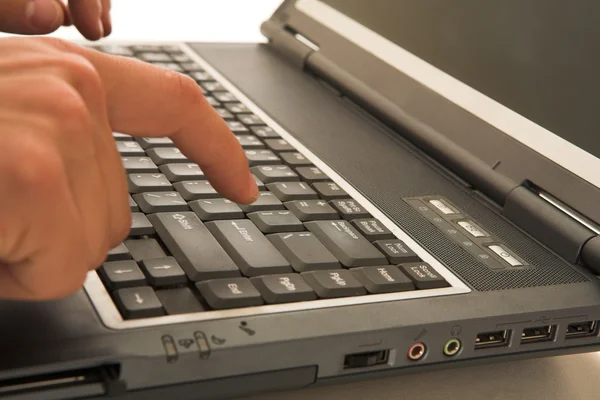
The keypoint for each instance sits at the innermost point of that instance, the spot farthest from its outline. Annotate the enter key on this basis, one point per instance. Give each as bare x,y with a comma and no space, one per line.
346,243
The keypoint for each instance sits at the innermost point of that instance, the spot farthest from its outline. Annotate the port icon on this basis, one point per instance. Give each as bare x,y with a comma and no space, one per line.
364,360
538,334
416,351
492,339
582,329
452,347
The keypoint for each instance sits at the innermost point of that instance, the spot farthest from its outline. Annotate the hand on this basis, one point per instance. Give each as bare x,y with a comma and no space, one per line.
63,193
37,17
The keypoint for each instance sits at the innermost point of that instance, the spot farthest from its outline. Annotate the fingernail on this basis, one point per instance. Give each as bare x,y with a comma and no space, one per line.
43,14
253,186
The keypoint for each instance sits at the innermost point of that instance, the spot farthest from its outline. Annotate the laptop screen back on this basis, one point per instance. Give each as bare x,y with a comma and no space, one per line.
539,58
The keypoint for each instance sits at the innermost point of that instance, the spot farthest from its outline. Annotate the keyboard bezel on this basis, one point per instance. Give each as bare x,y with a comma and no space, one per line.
111,317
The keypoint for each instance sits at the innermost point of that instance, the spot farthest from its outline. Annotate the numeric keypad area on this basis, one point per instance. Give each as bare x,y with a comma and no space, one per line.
191,250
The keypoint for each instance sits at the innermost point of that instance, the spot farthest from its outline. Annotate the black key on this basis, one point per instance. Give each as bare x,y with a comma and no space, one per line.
182,172
396,251
193,246
237,108
337,283
121,274
266,201
261,157
116,50
250,142
213,86
212,101
346,244
192,67
230,293
312,210
194,190
372,229
144,249
276,221
216,209
423,275
285,288
148,182
166,155
128,148
143,48
259,183
133,205
304,251
349,209
172,49
329,190
154,202
168,65
384,279
140,225
225,97
295,159
149,143
264,132
138,302
224,113
201,76
134,165
278,145
288,191
118,253
121,136
179,301
181,58
250,119
163,271
248,247
149,57
275,173
311,174
238,128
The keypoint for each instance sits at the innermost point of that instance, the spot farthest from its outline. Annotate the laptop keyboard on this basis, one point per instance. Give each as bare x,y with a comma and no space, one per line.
190,250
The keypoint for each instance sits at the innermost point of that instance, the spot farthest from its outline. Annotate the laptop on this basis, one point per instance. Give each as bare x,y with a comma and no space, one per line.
430,182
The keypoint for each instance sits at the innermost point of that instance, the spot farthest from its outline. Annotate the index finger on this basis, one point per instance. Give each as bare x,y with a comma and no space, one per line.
145,100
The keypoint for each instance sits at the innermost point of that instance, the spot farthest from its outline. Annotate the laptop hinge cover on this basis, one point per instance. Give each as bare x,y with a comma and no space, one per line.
291,44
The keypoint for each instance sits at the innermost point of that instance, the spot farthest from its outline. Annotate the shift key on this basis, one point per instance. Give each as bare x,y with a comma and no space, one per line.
249,248
346,244
197,251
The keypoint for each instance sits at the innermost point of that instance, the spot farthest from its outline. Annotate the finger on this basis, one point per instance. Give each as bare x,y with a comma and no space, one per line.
86,15
145,100
106,20
30,17
67,14
42,250
71,130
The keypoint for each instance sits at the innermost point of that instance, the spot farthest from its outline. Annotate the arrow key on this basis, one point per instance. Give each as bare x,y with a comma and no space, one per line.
163,271
121,274
139,302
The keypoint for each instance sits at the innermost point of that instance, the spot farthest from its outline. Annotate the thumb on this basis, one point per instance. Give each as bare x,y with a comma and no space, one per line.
31,17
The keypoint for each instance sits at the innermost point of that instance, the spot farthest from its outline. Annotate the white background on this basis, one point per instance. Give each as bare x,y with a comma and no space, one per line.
185,20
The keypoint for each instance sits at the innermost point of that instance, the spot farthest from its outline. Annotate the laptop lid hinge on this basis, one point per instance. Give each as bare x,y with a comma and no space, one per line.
290,43
569,235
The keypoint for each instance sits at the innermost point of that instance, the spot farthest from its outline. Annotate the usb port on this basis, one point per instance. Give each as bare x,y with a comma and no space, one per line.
538,334
364,360
492,339
582,329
